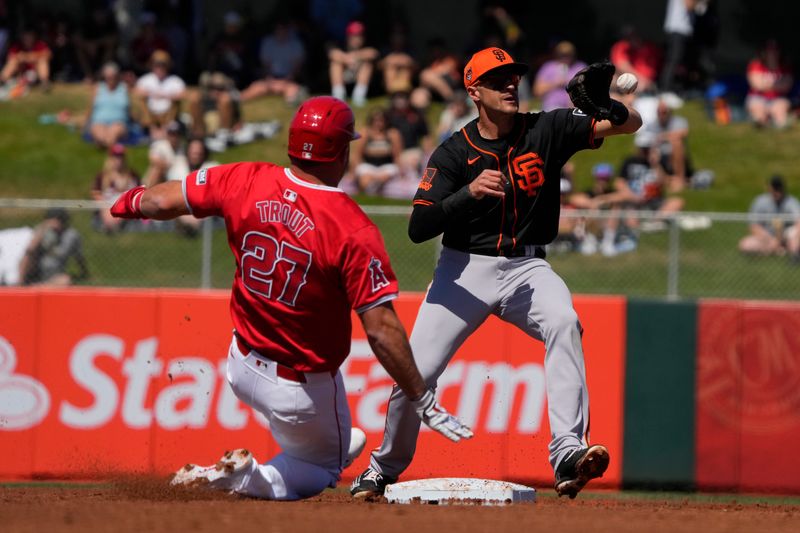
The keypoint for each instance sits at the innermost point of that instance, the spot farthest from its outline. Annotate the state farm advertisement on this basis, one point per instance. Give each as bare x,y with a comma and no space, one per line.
97,382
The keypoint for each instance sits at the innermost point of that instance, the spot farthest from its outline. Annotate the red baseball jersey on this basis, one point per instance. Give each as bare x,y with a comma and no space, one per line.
306,255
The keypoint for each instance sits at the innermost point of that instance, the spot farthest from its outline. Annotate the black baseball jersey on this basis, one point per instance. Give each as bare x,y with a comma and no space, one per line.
531,157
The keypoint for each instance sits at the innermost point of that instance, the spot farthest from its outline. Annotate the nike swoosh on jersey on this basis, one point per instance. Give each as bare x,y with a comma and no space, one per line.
471,161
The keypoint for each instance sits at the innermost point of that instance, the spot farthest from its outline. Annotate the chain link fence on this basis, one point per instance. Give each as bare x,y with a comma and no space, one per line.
686,255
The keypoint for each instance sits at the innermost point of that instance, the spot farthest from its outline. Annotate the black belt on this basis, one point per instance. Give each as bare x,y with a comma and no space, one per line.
529,250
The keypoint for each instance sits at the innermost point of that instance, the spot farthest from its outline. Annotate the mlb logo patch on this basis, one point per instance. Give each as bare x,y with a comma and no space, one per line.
201,177
290,195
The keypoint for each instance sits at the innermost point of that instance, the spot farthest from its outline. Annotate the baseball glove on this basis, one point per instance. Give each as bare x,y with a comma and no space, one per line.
589,89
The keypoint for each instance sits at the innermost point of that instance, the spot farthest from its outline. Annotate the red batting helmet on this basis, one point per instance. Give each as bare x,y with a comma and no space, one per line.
321,129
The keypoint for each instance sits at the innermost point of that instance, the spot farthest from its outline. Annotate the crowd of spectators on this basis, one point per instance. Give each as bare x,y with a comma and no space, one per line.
152,81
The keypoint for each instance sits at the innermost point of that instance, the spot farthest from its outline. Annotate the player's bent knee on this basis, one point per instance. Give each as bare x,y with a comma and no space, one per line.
564,320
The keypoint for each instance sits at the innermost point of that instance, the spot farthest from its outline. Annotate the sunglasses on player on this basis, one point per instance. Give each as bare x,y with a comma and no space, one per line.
499,81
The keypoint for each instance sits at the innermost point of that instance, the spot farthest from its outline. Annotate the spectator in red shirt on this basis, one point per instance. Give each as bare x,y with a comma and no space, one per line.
770,79
29,58
639,57
352,64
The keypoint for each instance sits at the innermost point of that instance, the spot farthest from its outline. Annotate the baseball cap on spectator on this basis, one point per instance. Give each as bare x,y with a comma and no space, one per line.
160,57
355,28
777,184
602,171
490,59
117,149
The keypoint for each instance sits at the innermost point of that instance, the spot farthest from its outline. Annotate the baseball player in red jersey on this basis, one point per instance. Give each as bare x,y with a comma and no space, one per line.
306,255
492,190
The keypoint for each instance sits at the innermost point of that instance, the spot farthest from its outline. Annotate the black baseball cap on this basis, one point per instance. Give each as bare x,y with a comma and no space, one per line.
58,213
777,183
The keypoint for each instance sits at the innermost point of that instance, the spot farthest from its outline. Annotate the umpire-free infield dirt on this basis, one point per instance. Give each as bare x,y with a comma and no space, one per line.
152,506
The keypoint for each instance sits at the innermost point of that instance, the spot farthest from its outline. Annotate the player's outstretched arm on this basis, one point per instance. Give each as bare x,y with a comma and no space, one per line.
589,91
389,342
605,128
165,201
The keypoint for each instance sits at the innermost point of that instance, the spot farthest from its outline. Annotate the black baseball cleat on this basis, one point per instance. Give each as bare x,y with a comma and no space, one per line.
370,483
579,467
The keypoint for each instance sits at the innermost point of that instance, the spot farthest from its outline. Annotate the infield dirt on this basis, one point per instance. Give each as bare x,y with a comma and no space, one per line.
147,505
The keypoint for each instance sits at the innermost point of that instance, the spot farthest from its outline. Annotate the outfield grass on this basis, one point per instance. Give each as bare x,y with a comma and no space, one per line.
51,161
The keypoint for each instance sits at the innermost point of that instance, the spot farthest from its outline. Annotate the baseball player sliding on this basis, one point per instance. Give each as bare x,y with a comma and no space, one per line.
305,255
492,189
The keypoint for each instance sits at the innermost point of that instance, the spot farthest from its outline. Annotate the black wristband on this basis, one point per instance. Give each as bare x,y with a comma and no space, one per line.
618,113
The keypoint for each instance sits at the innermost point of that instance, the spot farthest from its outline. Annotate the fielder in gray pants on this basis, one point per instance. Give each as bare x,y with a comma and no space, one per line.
523,291
493,191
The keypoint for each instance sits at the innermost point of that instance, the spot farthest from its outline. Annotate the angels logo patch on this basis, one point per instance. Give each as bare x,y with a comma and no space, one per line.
201,177
376,275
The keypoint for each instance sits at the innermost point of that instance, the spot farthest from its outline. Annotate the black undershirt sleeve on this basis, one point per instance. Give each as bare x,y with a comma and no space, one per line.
428,221
442,195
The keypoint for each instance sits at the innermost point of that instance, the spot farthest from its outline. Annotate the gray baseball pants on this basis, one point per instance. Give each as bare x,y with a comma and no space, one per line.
524,291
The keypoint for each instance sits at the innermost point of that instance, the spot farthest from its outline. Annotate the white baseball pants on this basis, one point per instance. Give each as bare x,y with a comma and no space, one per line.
309,421
524,291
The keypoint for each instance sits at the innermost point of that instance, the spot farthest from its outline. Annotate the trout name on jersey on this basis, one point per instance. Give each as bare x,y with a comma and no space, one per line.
277,212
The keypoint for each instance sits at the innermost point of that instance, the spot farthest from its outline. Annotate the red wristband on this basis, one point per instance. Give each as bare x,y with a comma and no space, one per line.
129,204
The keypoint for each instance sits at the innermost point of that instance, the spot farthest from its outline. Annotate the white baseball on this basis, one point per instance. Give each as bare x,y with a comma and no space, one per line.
627,83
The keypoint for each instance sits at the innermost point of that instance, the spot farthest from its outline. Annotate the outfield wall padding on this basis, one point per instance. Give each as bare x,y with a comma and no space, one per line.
100,381
748,396
659,392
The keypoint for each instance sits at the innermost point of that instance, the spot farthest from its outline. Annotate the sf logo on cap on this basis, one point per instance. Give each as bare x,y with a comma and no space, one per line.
499,54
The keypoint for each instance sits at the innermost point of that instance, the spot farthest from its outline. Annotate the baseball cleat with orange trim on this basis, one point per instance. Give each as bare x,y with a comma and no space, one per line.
581,466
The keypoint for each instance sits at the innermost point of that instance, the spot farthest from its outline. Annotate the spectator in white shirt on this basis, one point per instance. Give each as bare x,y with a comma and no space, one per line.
159,94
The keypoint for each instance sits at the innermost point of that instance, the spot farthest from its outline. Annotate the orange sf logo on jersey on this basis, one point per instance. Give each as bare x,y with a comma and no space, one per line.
427,179
529,169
